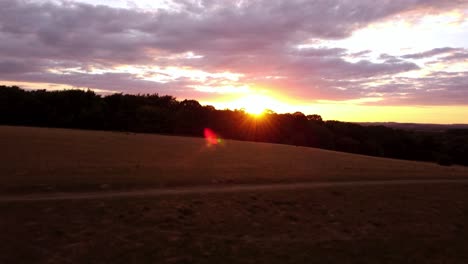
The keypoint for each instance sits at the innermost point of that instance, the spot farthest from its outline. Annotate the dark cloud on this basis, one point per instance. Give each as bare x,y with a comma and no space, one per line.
73,30
431,53
438,88
460,55
391,59
359,54
70,32
115,82
16,67
319,52
338,68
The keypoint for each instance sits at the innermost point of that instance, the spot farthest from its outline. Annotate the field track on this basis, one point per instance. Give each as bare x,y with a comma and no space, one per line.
219,189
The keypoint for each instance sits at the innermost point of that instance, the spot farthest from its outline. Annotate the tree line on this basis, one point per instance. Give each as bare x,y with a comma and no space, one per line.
152,113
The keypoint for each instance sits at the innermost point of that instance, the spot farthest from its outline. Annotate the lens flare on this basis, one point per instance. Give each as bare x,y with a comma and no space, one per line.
211,137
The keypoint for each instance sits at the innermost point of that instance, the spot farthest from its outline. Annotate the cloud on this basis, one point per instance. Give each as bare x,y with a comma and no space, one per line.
431,53
77,30
16,67
458,55
438,88
66,41
359,54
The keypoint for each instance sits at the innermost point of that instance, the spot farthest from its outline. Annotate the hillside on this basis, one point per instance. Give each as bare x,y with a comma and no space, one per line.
76,196
44,159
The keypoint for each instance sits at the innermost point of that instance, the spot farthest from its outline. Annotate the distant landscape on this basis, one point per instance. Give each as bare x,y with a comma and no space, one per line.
443,144
417,126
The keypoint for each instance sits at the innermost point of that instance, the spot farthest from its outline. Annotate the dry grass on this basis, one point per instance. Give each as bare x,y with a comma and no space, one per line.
407,223
385,224
43,159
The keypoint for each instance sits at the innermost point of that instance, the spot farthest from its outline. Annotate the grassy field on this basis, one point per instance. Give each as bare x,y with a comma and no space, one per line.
423,222
41,159
395,224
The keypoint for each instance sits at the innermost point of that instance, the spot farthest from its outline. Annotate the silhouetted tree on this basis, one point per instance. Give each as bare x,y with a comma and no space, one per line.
314,117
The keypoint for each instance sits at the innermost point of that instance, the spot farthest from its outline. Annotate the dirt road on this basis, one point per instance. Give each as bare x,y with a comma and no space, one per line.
218,189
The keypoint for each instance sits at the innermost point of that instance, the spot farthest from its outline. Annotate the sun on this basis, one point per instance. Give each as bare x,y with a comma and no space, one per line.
255,104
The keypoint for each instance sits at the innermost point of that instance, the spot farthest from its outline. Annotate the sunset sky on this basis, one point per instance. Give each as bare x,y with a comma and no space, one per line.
350,60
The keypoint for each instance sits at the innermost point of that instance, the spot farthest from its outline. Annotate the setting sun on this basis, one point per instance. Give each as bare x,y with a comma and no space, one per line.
256,104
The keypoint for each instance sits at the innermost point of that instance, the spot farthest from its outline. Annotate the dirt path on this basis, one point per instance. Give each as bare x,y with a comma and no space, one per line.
217,189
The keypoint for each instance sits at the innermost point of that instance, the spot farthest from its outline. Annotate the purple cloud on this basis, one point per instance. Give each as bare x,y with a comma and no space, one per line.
257,39
431,53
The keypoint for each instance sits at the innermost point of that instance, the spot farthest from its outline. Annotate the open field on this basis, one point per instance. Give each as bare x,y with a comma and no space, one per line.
40,159
424,223
70,196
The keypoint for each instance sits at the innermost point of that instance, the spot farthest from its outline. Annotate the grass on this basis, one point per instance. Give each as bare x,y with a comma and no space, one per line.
401,223
386,224
43,159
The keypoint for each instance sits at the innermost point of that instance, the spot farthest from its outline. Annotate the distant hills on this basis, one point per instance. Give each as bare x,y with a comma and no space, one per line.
417,126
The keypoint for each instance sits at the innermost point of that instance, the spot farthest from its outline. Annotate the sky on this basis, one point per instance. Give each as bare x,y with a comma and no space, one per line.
349,60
